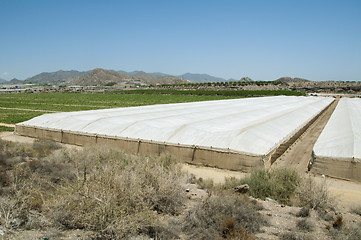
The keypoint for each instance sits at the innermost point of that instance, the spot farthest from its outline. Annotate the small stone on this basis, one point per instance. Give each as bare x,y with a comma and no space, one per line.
242,188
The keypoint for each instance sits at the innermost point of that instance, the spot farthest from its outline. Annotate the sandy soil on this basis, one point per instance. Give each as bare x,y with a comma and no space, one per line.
7,125
10,136
215,174
28,109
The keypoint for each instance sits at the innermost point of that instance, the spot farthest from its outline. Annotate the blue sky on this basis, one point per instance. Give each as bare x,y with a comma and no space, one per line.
262,39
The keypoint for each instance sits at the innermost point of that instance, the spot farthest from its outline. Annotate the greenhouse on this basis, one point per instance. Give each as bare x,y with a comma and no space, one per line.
234,134
337,152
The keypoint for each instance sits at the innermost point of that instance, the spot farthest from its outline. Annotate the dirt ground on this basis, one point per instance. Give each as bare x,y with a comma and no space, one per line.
7,125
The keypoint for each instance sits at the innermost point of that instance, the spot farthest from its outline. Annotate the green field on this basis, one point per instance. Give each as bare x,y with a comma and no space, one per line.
15,108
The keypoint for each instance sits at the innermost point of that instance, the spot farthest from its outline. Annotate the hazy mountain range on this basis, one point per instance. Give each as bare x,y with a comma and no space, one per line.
101,77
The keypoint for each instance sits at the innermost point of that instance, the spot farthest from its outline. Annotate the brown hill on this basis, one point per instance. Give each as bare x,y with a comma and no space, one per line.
289,79
101,77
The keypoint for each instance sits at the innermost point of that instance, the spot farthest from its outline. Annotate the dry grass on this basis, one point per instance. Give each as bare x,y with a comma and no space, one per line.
313,195
125,194
96,189
222,215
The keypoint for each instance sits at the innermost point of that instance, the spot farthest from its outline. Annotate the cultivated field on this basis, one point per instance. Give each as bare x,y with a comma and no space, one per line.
15,108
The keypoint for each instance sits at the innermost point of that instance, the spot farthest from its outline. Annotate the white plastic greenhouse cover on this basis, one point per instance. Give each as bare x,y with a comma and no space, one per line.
248,125
341,137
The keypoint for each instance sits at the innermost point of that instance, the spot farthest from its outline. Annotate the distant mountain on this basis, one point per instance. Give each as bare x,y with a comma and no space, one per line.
15,81
101,77
289,79
246,79
54,77
138,73
201,78
3,81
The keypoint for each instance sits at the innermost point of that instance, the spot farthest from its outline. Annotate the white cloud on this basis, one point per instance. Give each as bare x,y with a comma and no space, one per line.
5,73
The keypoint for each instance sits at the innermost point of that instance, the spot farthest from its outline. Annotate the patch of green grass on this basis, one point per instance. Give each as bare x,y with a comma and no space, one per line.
13,116
6,129
278,184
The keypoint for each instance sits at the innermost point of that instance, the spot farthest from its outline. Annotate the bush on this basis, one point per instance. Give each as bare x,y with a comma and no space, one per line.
221,215
356,210
117,195
304,212
278,184
312,195
305,225
295,236
95,189
45,147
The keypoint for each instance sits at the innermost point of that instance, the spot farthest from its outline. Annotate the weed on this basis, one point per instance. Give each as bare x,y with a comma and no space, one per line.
338,222
45,147
295,236
356,210
313,195
278,184
124,193
205,183
305,225
304,212
220,215
230,231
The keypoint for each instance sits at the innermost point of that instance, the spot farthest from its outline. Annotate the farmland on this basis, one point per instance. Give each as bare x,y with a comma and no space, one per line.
21,107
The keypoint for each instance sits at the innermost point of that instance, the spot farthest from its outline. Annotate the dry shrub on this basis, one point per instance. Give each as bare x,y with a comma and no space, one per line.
304,212
313,195
96,189
206,184
9,150
338,222
230,231
305,225
356,210
294,235
351,232
116,194
220,215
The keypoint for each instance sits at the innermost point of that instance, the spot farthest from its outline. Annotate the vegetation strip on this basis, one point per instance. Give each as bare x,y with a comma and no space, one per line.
25,109
6,128
239,93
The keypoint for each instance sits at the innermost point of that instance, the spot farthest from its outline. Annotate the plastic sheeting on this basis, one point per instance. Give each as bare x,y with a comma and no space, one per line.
341,137
249,125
